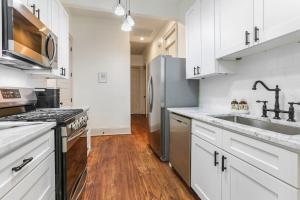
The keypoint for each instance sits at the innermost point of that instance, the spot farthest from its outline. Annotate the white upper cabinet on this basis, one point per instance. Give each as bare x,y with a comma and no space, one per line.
252,26
43,11
0,29
200,36
55,13
275,18
193,40
234,26
63,43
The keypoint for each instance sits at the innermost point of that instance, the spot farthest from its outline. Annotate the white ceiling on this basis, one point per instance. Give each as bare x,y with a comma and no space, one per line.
166,9
145,27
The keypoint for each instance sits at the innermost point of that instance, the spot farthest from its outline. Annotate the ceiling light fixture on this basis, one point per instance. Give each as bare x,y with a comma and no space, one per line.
119,9
129,18
126,26
142,38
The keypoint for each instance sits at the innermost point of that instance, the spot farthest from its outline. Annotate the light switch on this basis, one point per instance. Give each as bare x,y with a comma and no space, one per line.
102,77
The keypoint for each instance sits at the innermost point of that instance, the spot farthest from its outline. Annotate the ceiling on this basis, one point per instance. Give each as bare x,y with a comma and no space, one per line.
146,27
166,9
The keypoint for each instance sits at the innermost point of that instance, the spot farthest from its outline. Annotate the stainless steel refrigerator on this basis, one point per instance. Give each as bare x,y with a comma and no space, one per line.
167,87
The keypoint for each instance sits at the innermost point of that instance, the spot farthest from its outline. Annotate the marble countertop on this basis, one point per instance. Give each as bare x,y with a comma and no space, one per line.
15,134
290,142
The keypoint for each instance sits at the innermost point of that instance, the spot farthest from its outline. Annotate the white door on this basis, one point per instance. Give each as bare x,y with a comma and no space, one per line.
234,26
193,39
205,169
242,181
275,18
138,90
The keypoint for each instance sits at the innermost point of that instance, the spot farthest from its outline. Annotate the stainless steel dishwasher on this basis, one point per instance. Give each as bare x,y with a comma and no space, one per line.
180,146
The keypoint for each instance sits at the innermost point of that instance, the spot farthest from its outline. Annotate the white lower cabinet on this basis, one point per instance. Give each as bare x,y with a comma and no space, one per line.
219,175
205,170
39,184
242,181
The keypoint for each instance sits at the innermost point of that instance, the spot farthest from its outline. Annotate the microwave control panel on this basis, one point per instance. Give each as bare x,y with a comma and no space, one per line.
10,94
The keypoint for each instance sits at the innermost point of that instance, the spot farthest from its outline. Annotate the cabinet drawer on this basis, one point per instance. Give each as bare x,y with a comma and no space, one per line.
39,184
37,149
207,132
276,161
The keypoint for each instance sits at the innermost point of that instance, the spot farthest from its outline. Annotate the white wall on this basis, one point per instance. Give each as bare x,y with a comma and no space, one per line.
100,46
280,66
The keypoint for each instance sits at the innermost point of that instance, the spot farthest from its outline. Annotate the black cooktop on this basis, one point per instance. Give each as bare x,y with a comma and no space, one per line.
49,115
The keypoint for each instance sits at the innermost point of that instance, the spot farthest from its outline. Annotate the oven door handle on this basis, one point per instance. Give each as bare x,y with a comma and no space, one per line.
69,142
78,134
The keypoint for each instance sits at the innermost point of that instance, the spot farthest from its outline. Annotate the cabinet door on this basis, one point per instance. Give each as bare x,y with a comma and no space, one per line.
39,184
1,30
234,26
243,181
193,39
275,18
208,65
205,176
55,7
64,41
45,14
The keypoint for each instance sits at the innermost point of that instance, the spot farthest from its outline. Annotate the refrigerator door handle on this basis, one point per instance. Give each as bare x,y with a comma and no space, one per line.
150,94
151,97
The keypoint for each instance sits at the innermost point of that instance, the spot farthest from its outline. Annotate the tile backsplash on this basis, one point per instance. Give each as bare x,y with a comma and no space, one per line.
10,77
279,66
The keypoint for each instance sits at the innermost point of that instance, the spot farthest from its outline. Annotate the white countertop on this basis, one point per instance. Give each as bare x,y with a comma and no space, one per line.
15,137
290,142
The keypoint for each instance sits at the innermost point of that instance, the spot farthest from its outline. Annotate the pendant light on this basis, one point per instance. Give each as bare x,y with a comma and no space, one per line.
130,20
126,26
119,9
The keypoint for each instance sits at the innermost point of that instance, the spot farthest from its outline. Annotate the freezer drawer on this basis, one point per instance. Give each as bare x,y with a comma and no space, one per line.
180,146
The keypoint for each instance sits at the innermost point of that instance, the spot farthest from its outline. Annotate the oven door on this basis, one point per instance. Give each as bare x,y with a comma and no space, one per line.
26,39
76,163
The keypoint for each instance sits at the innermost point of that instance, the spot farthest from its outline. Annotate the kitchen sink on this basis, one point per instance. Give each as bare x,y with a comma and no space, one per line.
266,125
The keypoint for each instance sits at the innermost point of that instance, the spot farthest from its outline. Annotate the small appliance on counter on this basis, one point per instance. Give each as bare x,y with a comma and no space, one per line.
47,98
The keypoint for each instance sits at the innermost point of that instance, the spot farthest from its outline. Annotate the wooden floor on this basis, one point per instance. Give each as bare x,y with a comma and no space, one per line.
124,168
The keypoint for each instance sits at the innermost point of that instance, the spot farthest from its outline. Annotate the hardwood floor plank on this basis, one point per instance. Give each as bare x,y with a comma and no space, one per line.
124,168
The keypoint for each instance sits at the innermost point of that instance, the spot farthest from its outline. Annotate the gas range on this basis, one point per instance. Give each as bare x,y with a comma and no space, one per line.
19,104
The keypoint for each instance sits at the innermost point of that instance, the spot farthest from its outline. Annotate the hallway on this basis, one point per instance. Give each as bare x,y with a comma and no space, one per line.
124,168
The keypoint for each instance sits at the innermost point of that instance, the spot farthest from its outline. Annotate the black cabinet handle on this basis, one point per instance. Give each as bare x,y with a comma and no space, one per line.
223,163
33,6
25,162
247,34
38,13
198,70
61,71
216,159
256,34
194,71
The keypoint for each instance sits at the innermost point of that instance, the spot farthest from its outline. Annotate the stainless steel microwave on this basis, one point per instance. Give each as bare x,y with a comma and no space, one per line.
27,43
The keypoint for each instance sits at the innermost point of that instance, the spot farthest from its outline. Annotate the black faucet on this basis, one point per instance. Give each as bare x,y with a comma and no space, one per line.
276,109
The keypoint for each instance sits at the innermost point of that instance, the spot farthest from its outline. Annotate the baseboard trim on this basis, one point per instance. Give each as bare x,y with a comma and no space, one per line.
110,131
